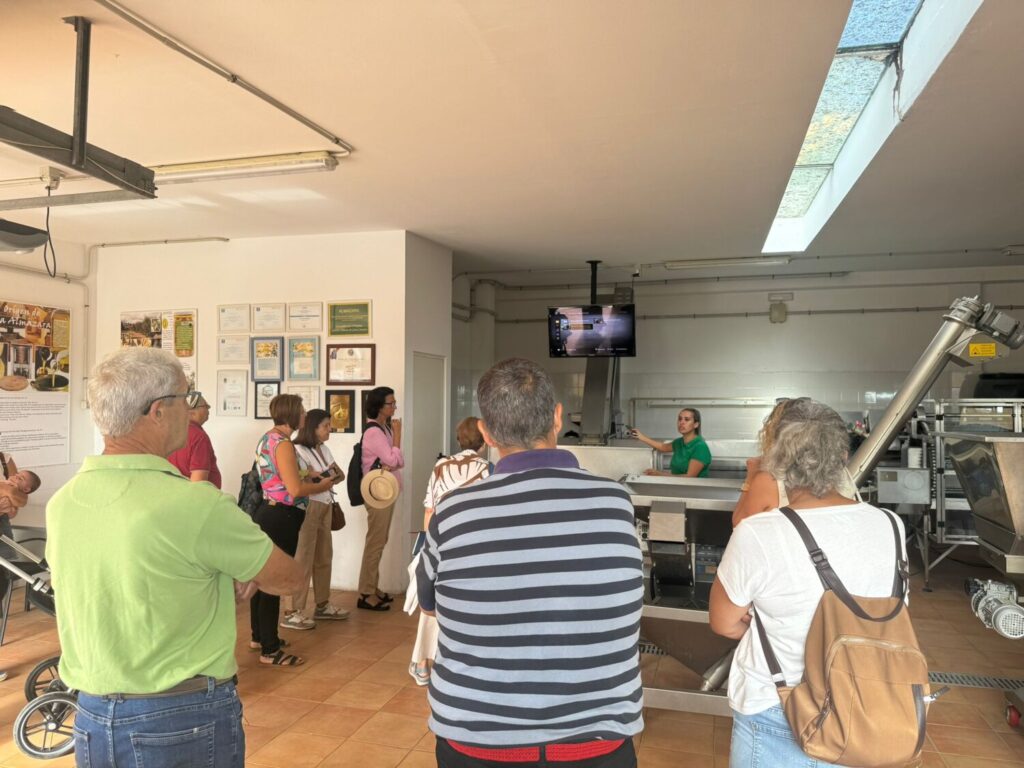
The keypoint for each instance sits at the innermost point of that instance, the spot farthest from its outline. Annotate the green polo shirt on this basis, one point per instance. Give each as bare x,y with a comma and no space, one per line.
683,452
143,562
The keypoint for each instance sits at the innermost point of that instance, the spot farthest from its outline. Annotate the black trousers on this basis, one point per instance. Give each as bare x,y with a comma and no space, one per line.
281,523
623,757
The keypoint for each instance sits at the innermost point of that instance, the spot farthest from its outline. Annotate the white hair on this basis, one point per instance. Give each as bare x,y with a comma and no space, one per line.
126,380
810,449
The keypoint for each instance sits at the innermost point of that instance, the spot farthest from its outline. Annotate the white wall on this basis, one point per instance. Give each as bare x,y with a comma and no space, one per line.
56,292
286,269
428,330
851,359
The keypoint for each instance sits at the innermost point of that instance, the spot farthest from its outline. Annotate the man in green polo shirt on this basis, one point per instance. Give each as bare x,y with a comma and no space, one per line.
144,564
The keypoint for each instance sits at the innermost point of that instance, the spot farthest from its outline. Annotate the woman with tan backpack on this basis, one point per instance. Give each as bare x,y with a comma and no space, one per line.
829,671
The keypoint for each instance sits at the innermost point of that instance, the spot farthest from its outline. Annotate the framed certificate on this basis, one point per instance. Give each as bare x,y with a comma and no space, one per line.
341,404
306,316
233,318
233,350
304,358
232,391
351,363
349,318
268,317
267,358
265,392
310,394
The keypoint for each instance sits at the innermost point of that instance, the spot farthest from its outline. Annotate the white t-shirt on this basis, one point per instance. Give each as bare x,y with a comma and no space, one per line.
309,460
767,564
451,472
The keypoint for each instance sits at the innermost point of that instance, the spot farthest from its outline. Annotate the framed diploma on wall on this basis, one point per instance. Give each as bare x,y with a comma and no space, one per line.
265,392
233,318
350,318
267,358
232,391
304,358
351,363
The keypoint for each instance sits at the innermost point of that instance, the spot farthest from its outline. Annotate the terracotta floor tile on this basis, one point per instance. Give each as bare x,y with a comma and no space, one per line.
256,736
418,760
387,673
950,740
365,648
392,730
1015,742
650,757
401,653
680,735
331,720
360,694
339,667
409,701
294,750
951,713
276,712
427,744
929,760
958,761
358,754
309,687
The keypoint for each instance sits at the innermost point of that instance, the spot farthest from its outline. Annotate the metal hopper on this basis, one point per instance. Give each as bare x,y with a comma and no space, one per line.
991,471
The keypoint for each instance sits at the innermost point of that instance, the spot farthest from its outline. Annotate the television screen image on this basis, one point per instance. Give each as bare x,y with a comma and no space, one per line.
592,331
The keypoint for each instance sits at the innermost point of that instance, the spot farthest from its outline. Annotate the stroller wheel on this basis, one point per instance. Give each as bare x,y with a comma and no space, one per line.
43,679
43,729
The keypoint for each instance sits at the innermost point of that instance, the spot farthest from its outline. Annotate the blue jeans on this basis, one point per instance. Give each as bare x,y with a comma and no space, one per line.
189,730
765,740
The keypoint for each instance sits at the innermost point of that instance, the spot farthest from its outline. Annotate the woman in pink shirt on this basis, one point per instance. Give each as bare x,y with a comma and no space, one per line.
382,440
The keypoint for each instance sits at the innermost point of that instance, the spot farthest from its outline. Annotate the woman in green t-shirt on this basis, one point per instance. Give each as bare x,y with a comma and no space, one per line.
691,456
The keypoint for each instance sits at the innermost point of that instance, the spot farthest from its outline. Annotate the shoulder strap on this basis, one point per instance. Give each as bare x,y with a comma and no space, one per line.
769,655
831,581
3,466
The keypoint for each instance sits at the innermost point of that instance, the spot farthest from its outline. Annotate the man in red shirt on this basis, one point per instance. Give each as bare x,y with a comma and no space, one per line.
196,460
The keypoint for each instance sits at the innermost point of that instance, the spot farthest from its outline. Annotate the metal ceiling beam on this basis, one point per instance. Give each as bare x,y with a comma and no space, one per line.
79,198
55,146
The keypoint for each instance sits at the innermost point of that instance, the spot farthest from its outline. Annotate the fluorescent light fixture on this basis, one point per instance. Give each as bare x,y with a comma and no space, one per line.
753,261
20,238
245,167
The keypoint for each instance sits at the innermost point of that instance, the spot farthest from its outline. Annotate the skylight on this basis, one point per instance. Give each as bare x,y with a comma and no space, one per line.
873,40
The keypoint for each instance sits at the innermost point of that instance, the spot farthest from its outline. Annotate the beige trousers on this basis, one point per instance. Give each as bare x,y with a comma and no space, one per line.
378,524
315,552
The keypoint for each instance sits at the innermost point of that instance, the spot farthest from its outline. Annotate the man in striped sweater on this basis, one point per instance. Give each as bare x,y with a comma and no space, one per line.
535,577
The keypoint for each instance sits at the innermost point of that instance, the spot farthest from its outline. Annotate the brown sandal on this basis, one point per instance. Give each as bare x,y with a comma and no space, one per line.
282,659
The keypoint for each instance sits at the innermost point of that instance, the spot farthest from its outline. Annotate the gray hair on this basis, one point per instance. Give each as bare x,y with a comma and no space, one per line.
126,380
517,403
810,449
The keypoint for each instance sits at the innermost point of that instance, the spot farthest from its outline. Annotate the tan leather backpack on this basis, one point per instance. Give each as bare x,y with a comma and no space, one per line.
864,697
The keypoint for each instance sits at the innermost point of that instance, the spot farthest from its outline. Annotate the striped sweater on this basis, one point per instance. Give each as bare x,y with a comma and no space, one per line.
535,574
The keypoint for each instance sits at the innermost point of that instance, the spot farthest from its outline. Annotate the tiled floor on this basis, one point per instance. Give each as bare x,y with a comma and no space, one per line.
353,703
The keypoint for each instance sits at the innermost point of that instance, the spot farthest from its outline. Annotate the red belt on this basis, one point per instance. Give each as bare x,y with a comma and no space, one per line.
560,753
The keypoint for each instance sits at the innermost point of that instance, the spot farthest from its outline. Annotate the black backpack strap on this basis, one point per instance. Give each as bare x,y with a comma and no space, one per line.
831,581
769,655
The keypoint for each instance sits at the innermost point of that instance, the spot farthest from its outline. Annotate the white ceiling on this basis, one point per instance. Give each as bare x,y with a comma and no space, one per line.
520,134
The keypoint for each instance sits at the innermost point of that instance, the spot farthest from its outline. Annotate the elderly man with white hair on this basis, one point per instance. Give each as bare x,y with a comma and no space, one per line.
143,565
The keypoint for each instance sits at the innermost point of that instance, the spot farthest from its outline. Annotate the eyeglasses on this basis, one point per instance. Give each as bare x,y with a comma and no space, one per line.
192,398
392,403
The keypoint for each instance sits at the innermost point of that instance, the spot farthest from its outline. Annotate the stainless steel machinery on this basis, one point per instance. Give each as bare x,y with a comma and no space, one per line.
692,516
990,468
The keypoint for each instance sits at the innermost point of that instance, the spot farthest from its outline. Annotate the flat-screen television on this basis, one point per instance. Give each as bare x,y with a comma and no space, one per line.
592,331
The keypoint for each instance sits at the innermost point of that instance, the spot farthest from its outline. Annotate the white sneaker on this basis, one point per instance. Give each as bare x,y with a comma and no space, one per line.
420,674
298,621
330,612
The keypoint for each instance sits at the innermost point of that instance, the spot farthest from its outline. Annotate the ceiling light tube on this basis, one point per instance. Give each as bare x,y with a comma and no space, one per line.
245,167
738,262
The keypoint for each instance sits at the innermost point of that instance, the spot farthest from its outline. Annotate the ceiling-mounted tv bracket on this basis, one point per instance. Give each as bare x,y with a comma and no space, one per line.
24,133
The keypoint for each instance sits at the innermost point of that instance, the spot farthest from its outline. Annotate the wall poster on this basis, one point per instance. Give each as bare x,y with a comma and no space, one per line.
170,329
35,373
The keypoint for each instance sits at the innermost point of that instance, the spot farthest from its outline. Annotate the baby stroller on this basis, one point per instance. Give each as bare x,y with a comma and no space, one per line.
43,728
